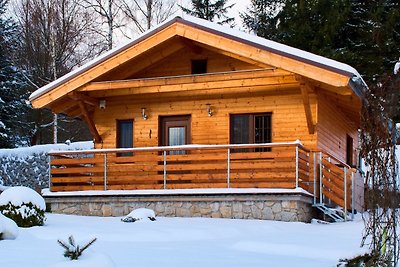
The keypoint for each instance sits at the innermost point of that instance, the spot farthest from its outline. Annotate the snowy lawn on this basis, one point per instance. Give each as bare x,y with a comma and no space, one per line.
187,242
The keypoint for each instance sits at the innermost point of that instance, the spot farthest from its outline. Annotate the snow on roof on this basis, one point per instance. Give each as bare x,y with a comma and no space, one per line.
266,44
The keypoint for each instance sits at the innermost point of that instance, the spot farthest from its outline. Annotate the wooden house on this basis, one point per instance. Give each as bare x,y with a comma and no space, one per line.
193,104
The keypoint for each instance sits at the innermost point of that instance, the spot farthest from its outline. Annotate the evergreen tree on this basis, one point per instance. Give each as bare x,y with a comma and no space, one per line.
13,105
210,10
364,34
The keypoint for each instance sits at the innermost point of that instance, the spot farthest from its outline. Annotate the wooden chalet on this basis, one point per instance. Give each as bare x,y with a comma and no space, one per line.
193,104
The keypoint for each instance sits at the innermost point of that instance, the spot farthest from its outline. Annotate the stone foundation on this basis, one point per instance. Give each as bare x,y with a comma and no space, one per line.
265,206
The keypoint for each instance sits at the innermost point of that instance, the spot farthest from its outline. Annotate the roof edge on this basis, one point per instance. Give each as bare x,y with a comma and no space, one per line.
100,59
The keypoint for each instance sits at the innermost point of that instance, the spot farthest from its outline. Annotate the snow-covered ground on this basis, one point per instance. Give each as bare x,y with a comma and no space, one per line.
187,242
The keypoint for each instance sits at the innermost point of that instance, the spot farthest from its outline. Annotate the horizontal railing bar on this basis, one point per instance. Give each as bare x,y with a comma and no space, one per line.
172,148
336,159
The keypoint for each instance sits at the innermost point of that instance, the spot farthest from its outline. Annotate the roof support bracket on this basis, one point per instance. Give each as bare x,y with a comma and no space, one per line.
305,87
90,122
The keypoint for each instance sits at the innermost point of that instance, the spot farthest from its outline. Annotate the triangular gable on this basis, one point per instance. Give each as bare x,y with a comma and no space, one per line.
222,39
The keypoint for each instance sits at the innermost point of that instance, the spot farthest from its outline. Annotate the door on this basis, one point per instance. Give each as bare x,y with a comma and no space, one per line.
175,131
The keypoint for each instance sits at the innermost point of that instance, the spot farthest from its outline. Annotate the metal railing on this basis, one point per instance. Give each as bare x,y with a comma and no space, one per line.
333,182
281,165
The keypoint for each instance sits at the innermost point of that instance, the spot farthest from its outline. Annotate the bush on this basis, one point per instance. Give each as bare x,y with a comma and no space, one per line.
23,205
72,250
26,215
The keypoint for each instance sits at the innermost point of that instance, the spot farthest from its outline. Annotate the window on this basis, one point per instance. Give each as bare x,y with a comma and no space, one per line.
251,129
349,150
125,136
199,66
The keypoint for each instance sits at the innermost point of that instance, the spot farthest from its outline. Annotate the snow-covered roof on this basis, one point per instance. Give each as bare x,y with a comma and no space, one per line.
227,32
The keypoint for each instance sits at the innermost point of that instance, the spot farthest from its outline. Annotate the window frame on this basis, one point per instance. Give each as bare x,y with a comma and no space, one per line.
251,130
118,137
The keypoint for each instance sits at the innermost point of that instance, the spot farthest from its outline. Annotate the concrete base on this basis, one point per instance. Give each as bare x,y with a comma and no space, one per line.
294,206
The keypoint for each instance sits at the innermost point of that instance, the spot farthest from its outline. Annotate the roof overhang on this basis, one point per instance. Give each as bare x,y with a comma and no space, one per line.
282,56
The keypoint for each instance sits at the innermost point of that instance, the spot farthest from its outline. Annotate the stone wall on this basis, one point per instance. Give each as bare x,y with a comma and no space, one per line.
280,207
29,166
31,171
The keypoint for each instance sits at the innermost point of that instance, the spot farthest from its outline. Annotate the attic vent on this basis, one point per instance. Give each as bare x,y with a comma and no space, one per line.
199,66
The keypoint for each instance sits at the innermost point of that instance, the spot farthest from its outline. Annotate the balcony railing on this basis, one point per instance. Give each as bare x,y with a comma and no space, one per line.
271,165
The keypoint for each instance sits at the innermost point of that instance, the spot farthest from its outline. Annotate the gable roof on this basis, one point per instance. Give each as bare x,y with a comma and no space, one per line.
355,80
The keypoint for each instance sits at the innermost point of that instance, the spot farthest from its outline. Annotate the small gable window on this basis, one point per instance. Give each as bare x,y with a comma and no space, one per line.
199,66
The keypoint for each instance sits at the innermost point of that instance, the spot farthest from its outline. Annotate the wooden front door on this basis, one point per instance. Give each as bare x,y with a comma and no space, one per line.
175,131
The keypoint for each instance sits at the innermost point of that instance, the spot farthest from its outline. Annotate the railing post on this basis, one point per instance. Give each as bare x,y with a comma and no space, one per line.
229,168
297,166
50,173
165,169
315,177
345,193
352,195
105,171
320,177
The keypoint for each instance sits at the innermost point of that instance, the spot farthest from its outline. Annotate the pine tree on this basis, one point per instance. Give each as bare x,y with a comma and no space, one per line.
363,34
210,10
13,105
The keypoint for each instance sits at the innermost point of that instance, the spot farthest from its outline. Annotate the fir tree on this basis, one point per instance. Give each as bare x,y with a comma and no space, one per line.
13,105
210,10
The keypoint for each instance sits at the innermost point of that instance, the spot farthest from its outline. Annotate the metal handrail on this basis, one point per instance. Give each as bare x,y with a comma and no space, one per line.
181,147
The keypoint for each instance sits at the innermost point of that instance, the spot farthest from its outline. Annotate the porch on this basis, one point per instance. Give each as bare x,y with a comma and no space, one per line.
270,165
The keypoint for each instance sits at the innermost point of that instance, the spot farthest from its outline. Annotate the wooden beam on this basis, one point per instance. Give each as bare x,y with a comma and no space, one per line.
146,61
305,87
90,122
221,87
190,44
97,70
235,56
195,82
249,90
263,56
86,99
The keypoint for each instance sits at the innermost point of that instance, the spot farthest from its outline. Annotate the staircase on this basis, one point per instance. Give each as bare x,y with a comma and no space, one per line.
333,183
336,215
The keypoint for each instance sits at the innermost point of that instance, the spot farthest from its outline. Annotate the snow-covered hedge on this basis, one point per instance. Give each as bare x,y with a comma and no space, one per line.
29,166
23,205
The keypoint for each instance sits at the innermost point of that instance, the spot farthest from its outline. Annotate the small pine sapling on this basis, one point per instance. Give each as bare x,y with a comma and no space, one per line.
72,250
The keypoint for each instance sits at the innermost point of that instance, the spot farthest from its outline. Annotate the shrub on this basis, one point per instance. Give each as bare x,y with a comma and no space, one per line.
72,250
23,205
25,215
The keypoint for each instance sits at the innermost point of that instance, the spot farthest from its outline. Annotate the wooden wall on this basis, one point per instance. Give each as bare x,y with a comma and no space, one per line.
288,117
332,128
179,63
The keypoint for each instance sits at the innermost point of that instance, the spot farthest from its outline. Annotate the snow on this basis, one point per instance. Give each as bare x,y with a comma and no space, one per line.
396,67
182,242
19,195
88,260
201,191
140,214
225,30
40,149
8,228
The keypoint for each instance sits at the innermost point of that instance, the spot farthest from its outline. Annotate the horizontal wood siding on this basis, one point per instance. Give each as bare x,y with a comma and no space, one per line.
288,118
179,63
332,128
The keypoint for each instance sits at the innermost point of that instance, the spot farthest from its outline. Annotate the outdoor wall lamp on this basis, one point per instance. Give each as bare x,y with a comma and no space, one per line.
209,110
144,115
102,104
